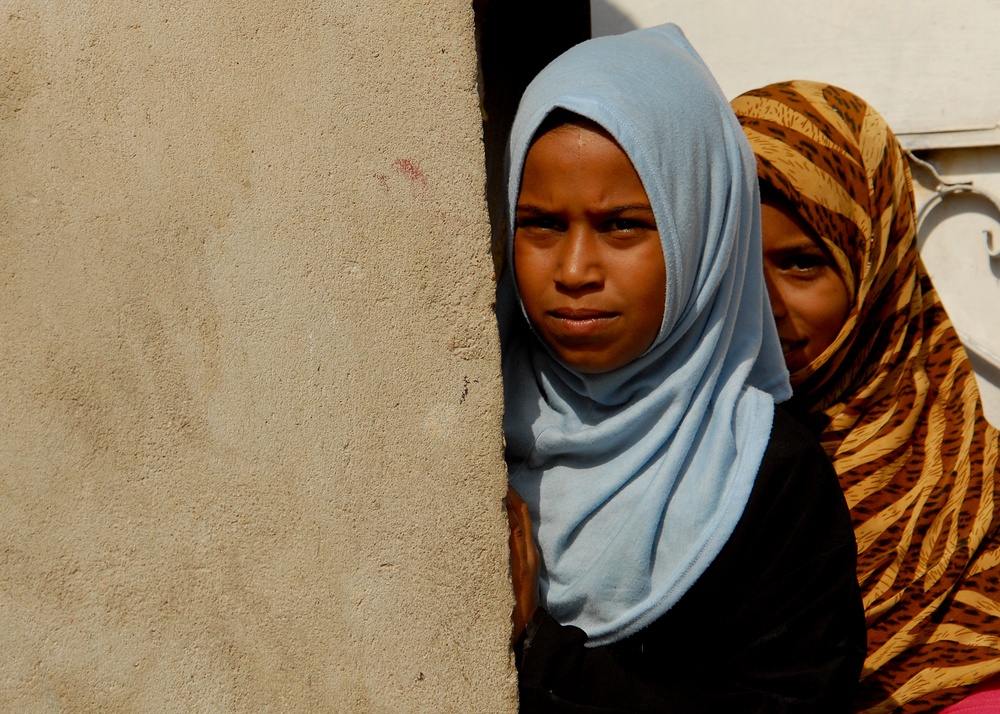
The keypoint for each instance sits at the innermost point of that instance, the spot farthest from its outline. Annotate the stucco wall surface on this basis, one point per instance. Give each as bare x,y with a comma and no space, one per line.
250,445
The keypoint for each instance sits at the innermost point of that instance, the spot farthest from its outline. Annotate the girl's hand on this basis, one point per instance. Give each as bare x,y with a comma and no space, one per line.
524,562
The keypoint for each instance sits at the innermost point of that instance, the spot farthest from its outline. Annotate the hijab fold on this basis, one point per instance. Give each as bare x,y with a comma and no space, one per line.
637,477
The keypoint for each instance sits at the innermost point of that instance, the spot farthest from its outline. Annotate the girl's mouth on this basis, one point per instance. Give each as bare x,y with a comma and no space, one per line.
577,322
568,313
789,346
794,354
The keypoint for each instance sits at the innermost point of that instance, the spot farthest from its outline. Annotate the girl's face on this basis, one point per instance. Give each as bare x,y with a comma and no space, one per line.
808,297
587,252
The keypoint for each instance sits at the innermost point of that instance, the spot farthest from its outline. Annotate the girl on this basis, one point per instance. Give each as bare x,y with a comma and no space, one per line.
889,389
694,553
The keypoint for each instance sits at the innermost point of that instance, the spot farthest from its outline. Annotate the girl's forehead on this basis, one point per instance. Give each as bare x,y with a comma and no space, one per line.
570,144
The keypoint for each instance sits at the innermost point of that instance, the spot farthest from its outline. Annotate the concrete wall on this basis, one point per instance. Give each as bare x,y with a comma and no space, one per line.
250,445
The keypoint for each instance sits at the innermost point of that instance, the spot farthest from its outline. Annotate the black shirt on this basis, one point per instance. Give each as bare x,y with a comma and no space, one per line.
775,624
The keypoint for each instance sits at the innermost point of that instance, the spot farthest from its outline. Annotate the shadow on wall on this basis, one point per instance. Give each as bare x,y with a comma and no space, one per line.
607,19
982,216
516,39
959,241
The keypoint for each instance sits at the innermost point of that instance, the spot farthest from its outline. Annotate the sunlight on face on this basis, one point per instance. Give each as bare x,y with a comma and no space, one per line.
587,252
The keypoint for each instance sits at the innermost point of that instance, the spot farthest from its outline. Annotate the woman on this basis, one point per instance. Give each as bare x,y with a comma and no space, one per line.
694,553
889,391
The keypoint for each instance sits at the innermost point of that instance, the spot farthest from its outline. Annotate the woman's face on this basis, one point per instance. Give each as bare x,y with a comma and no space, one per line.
808,297
587,252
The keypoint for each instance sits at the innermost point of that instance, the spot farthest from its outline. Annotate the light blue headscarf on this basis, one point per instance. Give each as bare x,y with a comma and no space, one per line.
637,477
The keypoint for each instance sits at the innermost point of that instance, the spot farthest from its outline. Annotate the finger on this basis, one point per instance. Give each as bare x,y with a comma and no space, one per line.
514,497
524,514
516,510
530,549
514,521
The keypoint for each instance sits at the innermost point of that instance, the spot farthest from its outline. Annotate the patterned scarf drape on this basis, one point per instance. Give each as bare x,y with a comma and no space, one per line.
895,400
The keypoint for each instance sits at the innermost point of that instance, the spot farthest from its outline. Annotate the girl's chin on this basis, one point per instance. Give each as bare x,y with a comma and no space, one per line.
798,372
795,363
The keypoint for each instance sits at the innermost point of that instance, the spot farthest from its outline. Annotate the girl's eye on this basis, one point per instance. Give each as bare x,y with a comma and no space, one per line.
804,262
538,223
621,224
626,225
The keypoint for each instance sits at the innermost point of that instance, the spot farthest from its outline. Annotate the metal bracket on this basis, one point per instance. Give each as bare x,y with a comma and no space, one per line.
992,250
943,189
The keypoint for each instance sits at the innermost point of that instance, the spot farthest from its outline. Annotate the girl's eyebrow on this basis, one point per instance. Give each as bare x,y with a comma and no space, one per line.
803,248
528,208
793,250
629,207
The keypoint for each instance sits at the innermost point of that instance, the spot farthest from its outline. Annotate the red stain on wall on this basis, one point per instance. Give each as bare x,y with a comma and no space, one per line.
410,170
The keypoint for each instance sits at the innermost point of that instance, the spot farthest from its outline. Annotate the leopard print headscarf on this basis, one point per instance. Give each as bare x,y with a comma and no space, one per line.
895,402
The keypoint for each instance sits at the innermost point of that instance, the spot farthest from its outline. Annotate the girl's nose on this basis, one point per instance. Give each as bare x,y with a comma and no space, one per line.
778,307
580,265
